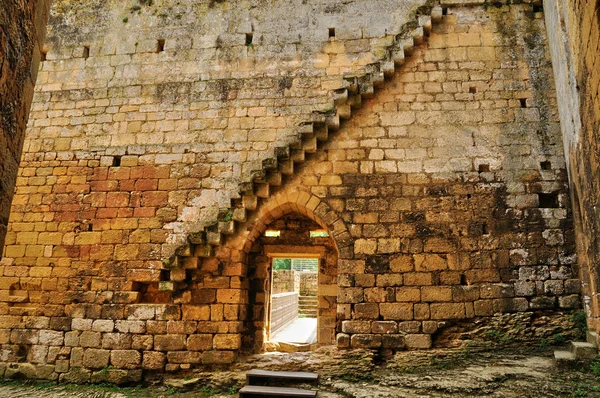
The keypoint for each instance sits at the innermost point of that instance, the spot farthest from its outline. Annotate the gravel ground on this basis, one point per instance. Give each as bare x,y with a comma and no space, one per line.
507,372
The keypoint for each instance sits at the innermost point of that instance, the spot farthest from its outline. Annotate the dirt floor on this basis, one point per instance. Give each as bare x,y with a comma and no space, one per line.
476,369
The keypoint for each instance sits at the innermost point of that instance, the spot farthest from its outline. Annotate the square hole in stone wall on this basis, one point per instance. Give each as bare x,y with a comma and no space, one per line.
249,38
548,200
116,162
331,32
523,102
160,45
43,55
473,90
546,165
86,52
484,168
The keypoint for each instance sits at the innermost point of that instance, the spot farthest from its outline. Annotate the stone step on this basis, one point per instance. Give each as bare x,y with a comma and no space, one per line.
286,167
250,202
592,338
345,111
309,145
255,376
239,214
322,133
227,227
583,350
263,190
213,238
298,155
264,391
275,179
565,359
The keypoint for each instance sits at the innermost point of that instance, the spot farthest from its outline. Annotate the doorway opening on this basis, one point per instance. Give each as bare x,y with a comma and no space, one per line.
292,271
294,301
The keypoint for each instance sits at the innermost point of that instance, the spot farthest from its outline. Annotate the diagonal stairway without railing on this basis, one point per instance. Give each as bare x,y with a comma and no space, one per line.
313,133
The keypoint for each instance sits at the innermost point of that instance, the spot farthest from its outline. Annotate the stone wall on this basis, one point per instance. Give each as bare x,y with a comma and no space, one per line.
284,310
309,283
22,32
444,192
575,49
286,281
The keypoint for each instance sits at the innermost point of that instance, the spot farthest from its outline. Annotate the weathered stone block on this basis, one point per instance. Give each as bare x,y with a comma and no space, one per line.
227,341
200,342
384,327
365,341
366,311
447,311
125,359
356,326
95,358
153,360
396,311
169,342
216,357
417,341
89,339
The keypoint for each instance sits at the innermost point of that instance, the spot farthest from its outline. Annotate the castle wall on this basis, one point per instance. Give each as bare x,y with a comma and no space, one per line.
445,194
22,32
576,60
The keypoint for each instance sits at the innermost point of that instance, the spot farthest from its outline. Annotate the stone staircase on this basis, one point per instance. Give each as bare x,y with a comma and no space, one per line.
580,352
258,384
308,306
311,134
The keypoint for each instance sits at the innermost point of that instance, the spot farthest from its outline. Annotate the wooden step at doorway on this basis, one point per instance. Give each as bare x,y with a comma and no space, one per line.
264,391
259,377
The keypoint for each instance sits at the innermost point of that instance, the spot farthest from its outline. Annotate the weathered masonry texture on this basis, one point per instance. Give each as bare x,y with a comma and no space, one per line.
165,139
576,55
22,30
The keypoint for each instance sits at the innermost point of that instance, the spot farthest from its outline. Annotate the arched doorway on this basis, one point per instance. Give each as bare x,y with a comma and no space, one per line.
291,267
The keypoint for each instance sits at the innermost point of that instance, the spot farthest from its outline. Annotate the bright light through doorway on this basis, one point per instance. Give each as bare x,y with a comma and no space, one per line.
294,301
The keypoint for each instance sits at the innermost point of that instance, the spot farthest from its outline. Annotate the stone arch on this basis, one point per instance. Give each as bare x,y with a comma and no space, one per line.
259,255
303,203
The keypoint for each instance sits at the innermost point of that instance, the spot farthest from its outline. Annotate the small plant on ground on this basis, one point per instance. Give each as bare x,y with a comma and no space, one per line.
595,368
492,335
580,323
559,339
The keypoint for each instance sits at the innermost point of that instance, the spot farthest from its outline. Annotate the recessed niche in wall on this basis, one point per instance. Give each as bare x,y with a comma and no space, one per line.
548,200
484,168
485,229
523,102
546,165
160,45
538,8
86,52
473,90
331,32
249,38
43,55
116,161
